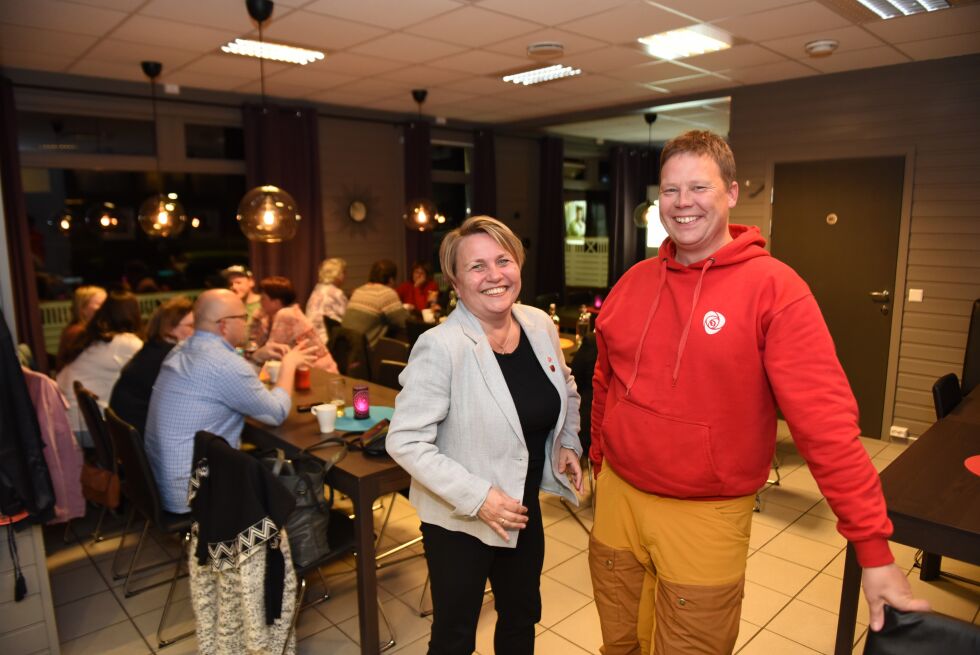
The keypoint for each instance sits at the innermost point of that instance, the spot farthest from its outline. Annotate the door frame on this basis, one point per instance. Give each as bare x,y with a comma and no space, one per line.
860,151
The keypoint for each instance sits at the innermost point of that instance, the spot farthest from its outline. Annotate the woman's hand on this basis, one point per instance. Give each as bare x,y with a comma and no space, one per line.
569,465
502,513
271,350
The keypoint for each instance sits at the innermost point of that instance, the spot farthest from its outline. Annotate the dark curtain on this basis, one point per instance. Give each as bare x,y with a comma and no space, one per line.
484,174
418,184
282,149
22,278
551,218
630,171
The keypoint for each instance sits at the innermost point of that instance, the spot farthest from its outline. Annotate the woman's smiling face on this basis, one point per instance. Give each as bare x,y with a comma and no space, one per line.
488,279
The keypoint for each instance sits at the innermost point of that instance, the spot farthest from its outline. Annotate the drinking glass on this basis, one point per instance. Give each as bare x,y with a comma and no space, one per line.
338,395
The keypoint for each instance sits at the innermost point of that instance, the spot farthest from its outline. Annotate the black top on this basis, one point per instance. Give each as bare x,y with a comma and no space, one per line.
130,398
538,405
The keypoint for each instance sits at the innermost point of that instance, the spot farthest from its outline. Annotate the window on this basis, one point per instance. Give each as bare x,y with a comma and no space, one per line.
214,142
55,132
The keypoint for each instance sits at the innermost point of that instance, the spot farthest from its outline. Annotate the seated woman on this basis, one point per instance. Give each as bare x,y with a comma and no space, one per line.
421,292
96,359
328,298
84,304
280,324
171,323
374,307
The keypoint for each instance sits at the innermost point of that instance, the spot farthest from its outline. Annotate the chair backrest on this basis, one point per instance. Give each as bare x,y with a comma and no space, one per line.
583,366
139,484
946,394
88,406
390,349
388,372
971,360
350,350
331,326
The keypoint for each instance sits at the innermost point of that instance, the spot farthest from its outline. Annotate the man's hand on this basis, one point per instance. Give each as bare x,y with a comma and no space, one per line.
887,584
568,464
502,513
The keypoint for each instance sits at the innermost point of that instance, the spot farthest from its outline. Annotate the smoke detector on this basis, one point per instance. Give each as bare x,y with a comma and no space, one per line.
821,48
545,50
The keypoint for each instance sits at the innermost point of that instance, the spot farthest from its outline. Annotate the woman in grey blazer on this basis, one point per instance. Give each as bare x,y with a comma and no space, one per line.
487,417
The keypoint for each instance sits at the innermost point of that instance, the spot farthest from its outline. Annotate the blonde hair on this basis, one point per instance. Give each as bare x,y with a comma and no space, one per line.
488,225
702,142
82,297
331,269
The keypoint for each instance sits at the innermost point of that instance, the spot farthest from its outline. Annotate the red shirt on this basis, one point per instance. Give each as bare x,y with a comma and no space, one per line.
419,297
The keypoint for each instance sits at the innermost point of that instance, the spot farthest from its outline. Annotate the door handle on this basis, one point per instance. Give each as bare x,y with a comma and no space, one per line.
880,296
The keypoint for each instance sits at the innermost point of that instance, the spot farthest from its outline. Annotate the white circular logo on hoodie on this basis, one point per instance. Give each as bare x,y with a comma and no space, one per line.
713,322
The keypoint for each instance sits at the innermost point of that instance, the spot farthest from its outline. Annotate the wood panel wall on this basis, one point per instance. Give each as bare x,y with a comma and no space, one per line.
929,111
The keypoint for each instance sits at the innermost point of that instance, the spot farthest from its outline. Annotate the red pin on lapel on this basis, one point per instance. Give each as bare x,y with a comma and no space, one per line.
552,366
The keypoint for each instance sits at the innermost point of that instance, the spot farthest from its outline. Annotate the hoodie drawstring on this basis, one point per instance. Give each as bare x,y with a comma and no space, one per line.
646,326
690,319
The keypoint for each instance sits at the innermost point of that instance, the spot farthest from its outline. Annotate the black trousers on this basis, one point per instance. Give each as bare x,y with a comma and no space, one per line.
459,566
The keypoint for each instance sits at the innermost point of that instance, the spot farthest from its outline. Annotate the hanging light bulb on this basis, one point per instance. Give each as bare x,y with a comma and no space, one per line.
105,218
421,216
268,214
646,212
63,221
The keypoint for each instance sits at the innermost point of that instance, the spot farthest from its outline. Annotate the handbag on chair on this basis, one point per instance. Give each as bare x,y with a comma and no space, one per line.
100,486
922,633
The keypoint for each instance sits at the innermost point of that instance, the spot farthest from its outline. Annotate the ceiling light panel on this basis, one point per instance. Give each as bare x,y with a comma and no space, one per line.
273,51
894,8
685,42
538,75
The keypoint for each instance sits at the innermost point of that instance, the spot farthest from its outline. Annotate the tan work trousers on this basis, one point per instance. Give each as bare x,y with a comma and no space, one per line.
667,574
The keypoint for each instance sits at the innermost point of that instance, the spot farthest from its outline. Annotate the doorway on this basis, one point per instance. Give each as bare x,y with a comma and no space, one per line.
837,222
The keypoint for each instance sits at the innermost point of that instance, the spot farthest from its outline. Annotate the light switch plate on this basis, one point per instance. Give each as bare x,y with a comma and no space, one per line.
915,295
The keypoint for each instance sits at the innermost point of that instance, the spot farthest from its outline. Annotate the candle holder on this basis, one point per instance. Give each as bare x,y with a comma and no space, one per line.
362,402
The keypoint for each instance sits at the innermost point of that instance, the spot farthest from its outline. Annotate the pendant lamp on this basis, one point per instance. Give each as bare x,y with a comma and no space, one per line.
647,211
105,218
161,215
421,214
266,213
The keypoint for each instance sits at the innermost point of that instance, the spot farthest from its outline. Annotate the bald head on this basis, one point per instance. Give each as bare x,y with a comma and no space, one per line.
221,312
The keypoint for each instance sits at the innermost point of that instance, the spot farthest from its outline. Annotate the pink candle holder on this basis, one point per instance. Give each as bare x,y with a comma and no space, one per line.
362,402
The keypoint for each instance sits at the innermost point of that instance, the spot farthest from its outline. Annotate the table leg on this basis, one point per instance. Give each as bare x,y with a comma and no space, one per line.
367,576
849,599
930,566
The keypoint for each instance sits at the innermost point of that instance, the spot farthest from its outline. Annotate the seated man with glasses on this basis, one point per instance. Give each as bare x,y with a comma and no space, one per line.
205,385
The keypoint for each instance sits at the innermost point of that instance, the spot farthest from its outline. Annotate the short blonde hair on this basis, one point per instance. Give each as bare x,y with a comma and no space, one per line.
82,296
488,225
331,269
702,143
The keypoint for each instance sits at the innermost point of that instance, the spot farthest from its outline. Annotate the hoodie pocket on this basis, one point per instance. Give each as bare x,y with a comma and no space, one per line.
660,454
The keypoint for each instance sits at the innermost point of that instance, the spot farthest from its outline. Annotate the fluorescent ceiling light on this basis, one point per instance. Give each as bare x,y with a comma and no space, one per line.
538,75
894,8
273,51
686,42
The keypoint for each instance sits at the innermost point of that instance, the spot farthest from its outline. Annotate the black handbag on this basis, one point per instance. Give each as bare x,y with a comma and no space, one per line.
922,633
304,476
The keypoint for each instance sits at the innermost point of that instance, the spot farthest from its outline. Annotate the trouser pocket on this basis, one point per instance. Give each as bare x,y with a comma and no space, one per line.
697,619
617,582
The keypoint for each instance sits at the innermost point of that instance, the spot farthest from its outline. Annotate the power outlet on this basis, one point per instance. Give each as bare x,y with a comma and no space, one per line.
898,432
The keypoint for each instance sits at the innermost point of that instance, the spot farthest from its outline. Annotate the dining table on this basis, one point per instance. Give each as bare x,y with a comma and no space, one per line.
932,492
363,478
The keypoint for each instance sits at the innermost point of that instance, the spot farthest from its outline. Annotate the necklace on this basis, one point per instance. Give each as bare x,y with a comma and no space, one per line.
501,347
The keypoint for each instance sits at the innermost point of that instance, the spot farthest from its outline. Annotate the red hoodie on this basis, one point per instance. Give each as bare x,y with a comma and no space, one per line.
692,363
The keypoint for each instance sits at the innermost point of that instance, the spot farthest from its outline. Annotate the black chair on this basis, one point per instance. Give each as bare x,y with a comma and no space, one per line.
349,348
331,325
946,394
88,407
387,349
140,487
971,360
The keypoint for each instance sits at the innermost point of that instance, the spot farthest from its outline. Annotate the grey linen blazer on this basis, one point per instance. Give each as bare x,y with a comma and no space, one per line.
456,429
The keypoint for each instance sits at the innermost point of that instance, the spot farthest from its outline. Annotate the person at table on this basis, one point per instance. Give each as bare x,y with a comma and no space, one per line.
171,323
696,349
84,303
328,298
280,324
96,358
487,417
239,279
420,292
375,307
205,385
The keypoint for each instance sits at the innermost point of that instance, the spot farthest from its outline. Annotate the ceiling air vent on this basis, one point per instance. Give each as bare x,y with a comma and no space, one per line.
545,50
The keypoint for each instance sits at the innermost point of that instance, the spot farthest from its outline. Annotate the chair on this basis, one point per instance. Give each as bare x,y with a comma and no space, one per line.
390,349
387,373
971,359
331,325
88,406
583,367
349,348
140,487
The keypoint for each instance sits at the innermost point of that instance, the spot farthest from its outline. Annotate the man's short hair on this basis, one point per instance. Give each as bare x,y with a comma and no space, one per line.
488,225
383,271
278,288
235,271
702,142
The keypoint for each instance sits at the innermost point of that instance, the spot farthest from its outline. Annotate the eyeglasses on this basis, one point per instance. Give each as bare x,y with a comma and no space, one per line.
244,317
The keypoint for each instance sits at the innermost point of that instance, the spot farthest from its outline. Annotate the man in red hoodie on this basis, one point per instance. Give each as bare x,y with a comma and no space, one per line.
697,348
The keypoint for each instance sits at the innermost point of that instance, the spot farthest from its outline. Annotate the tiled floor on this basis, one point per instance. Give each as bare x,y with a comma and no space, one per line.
791,596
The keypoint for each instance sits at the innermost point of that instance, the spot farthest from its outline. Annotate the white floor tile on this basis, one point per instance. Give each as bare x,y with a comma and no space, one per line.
582,629
800,550
778,574
574,573
808,625
119,639
769,643
74,583
88,614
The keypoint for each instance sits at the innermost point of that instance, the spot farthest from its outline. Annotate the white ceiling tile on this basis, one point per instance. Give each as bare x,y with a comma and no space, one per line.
658,70
406,47
417,76
573,43
34,60
947,46
120,5
393,14
131,54
439,98
145,29
786,21
109,69
608,59
319,31
346,98
313,75
478,85
739,56
957,20
228,15
473,27
695,83
550,12
374,88
627,23
850,38
591,84
477,62
782,70
235,65
348,63
278,89
27,39
869,58
711,10
62,16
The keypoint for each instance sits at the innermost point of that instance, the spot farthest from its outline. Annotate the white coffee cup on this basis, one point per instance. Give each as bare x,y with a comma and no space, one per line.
272,368
326,416
428,315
